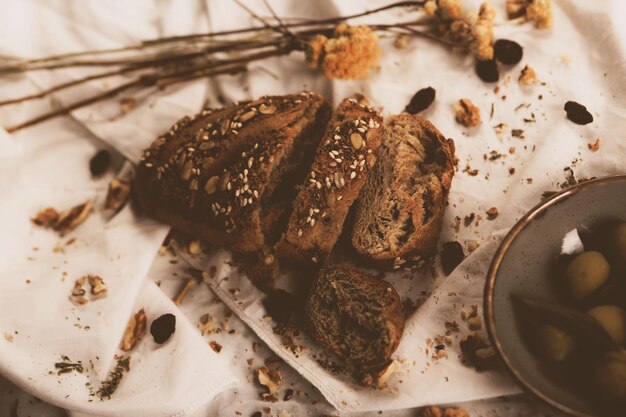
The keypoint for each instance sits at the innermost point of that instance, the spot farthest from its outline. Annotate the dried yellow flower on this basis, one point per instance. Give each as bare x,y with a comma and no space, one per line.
430,7
450,9
540,12
482,32
349,54
537,11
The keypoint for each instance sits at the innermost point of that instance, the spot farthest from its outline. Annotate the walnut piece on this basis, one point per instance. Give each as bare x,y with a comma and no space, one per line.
270,379
117,194
78,292
467,113
72,218
47,217
135,330
527,76
98,288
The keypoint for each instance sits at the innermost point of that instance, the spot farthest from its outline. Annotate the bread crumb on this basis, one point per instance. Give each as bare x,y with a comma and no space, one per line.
467,114
8,337
528,76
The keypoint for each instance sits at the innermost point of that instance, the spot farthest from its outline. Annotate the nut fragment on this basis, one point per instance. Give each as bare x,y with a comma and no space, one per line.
98,288
211,185
467,113
47,217
135,330
455,412
356,140
492,213
527,76
475,323
431,411
267,109
207,325
70,219
117,194
270,379
78,292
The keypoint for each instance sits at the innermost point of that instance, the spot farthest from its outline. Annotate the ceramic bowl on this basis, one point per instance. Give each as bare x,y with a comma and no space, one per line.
522,266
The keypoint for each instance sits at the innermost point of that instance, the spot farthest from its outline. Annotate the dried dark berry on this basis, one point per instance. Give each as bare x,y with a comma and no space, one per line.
451,256
280,305
99,163
488,71
163,327
288,395
578,113
421,100
507,52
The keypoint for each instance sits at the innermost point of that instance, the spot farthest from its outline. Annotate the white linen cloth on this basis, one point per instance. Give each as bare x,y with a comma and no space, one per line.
592,77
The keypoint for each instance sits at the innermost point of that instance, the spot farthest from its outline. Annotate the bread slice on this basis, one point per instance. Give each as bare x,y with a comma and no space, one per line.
340,168
357,317
400,212
218,175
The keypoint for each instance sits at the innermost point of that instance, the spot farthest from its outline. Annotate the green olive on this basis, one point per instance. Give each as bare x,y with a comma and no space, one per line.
613,320
610,375
586,273
617,244
554,343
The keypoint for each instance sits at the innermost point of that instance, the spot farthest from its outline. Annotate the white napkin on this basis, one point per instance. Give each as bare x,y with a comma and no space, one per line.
549,145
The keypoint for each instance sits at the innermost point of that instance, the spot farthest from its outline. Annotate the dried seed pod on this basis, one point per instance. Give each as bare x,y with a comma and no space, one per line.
507,51
421,100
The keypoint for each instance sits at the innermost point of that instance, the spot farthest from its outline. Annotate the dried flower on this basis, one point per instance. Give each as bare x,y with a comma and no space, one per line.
482,33
449,9
474,31
540,12
349,54
537,11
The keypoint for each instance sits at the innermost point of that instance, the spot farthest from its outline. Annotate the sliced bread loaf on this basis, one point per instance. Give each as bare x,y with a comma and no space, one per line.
357,317
399,215
340,168
220,175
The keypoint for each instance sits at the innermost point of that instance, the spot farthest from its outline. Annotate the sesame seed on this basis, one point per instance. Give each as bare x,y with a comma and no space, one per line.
314,259
299,232
339,197
352,175
312,222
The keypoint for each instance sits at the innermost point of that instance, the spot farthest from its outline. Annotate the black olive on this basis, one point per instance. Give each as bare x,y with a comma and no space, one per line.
421,100
163,327
508,52
100,162
578,113
451,256
488,71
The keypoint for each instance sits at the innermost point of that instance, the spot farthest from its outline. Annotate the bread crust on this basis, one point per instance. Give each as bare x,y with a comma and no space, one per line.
340,168
425,207
209,174
357,317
